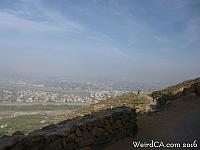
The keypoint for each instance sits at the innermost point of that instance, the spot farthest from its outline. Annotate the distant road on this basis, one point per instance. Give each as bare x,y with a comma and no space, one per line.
15,103
12,86
178,122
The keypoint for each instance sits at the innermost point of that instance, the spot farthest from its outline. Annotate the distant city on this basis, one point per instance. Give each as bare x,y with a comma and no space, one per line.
67,91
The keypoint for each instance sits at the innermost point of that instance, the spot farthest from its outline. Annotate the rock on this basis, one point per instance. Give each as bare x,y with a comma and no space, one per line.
119,135
51,126
125,117
17,133
58,144
108,128
100,121
78,132
198,89
73,128
70,146
118,124
100,132
152,107
86,142
71,138
65,132
86,148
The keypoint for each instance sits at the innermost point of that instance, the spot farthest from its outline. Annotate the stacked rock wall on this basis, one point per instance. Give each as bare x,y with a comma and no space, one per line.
194,88
89,132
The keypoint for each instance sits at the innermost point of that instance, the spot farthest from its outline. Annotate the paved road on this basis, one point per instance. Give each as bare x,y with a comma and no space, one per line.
179,122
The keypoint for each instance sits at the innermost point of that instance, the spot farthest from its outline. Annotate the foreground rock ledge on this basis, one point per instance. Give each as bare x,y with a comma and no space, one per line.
89,132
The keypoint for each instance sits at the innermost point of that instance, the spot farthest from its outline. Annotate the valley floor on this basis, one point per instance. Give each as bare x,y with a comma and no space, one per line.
178,122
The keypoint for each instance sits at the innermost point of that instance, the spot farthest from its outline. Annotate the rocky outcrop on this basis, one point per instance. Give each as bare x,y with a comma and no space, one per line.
89,132
195,88
152,107
162,98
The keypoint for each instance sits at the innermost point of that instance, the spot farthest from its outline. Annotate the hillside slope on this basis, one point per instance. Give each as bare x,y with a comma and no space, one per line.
172,90
176,91
130,100
178,122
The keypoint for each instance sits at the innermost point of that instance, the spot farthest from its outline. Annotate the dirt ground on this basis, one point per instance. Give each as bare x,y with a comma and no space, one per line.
178,122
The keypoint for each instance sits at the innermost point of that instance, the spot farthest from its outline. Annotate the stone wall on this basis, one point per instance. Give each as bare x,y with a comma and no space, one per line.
195,88
162,100
89,132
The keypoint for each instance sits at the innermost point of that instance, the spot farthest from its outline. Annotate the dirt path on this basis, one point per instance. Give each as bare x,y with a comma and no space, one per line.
178,122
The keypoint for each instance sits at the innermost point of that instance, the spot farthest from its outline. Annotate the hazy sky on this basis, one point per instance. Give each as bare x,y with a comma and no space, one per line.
141,40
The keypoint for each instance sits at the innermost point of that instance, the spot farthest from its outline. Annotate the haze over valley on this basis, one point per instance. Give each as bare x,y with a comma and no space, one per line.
83,74
154,41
